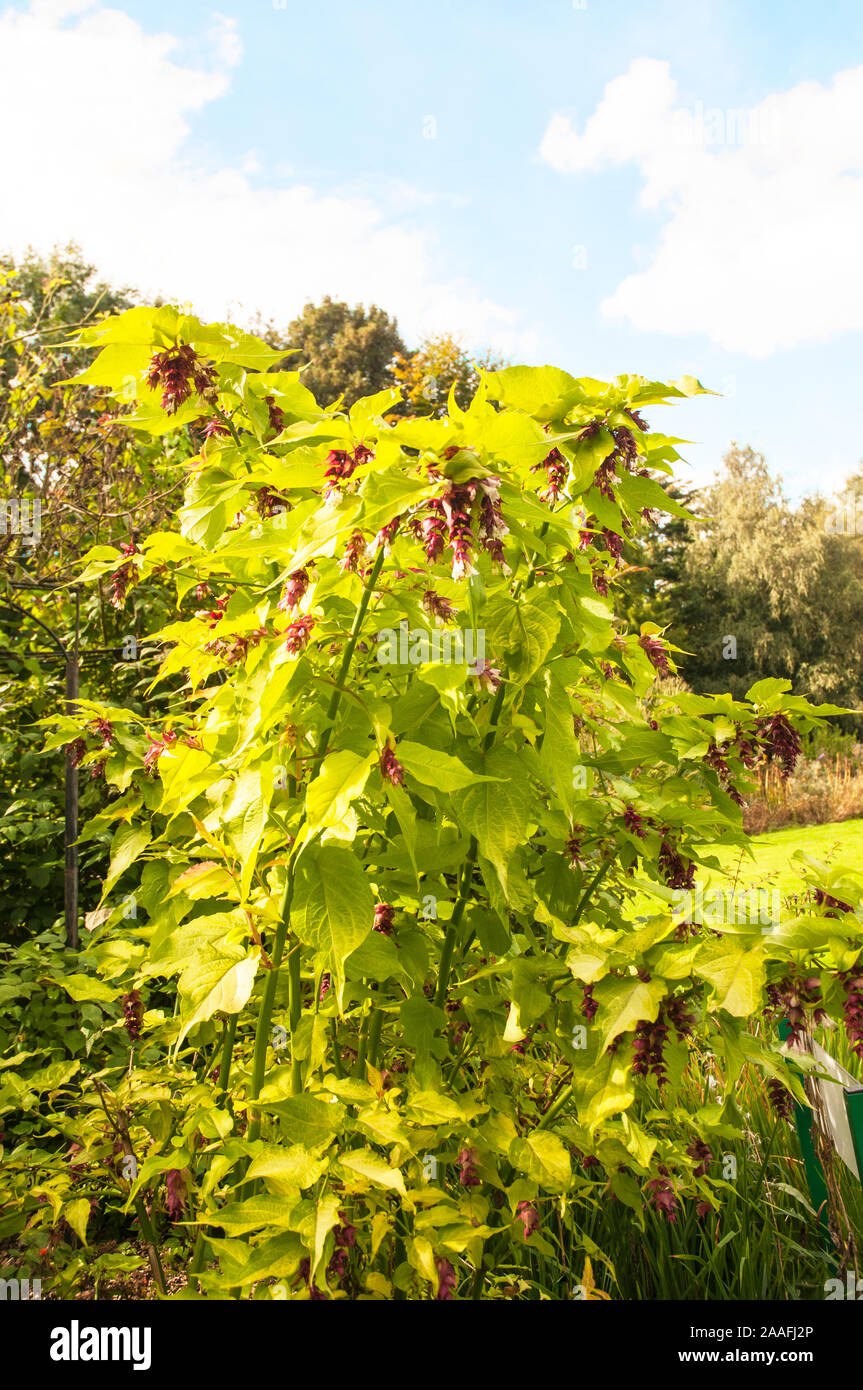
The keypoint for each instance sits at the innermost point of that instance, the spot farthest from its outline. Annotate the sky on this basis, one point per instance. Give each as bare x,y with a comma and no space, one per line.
608,186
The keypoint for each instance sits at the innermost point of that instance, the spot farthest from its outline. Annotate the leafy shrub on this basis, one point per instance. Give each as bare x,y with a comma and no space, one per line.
401,975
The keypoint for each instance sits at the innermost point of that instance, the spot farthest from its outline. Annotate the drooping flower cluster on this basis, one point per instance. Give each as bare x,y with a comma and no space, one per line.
792,998
589,1005
179,371
341,464
677,871
353,550
438,607
384,915
747,751
304,1276
488,676
277,415
236,648
103,729
656,653
634,822
77,750
467,1170
650,1038
345,1236
297,634
492,527
573,847
157,748
648,1047
124,577
781,1099
677,1012
391,769
269,502
295,588
716,760
637,419
133,1014
387,534
599,578
456,505
556,469
703,1155
780,741
446,1280
623,455
852,981
177,1192
446,522
661,1195
528,1215
613,544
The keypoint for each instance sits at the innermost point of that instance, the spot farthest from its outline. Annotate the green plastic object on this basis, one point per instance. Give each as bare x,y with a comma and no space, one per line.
804,1119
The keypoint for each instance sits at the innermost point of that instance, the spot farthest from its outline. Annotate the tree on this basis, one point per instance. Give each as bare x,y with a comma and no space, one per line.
344,351
52,296
439,365
73,474
755,587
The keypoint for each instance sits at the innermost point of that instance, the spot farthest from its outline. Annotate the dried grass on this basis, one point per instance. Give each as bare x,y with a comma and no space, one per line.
823,789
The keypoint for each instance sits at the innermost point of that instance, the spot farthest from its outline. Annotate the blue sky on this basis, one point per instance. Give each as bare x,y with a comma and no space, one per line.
469,166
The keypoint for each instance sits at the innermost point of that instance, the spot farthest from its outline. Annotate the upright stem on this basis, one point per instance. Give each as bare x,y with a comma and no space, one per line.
467,874
227,1054
455,923
375,1027
259,1062
295,983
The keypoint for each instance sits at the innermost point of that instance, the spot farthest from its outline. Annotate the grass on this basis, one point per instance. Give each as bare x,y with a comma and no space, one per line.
773,865
765,1241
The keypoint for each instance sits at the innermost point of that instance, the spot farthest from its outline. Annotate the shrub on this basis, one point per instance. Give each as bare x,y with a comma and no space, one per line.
417,912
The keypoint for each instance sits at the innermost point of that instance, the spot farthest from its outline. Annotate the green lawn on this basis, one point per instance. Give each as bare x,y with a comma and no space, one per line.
773,862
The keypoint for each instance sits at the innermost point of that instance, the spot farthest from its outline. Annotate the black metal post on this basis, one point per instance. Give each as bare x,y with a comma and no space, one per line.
70,878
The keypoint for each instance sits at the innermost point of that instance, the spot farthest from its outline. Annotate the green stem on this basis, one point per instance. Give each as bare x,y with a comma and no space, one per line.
150,1242
454,924
362,1048
375,1028
230,1035
295,1006
230,424
227,1055
594,883
262,1032
337,1054
467,874
554,1110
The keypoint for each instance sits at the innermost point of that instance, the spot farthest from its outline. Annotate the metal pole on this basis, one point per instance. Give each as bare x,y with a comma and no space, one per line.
70,878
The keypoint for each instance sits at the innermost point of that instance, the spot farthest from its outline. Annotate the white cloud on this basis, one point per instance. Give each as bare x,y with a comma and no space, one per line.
101,112
765,207
225,40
